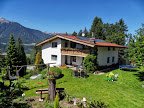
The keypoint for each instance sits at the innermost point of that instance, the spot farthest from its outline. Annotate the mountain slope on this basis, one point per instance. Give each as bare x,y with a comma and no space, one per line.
27,35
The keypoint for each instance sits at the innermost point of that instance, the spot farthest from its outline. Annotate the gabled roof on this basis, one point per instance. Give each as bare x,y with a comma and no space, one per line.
104,44
70,38
82,40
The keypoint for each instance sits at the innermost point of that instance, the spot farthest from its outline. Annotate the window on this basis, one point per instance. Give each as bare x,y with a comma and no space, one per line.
66,44
113,59
108,48
108,59
54,44
113,48
54,57
73,58
73,45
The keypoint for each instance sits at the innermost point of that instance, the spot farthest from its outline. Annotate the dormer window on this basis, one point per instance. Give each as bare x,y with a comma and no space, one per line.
54,44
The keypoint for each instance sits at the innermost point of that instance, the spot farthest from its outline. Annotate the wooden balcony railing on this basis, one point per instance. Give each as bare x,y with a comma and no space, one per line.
75,52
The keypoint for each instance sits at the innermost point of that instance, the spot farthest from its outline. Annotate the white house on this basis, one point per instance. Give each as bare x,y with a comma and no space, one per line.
71,50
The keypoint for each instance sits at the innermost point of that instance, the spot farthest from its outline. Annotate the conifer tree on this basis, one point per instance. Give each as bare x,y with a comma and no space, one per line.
86,32
80,33
74,33
12,56
96,30
0,61
66,33
21,56
116,33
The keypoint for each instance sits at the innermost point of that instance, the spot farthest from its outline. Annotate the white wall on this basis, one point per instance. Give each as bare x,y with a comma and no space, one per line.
47,51
103,53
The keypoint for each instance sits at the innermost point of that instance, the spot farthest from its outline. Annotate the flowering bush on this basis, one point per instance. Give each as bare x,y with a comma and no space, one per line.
110,76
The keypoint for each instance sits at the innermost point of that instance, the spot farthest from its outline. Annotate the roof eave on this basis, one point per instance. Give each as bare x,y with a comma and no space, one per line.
62,37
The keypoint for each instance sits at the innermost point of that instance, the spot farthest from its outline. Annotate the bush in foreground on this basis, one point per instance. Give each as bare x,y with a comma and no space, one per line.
90,63
55,71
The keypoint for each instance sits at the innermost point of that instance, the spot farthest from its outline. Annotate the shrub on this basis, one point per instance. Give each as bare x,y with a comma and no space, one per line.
48,105
28,74
89,63
55,71
56,102
97,104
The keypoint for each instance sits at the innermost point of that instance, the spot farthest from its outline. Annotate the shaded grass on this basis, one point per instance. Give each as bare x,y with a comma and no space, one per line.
124,93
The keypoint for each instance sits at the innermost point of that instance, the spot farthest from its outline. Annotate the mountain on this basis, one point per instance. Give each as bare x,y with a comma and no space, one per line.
28,36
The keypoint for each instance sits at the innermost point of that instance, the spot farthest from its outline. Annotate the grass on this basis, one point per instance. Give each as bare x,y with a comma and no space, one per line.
124,93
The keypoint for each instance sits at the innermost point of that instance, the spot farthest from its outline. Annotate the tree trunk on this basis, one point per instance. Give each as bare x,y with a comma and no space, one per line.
52,89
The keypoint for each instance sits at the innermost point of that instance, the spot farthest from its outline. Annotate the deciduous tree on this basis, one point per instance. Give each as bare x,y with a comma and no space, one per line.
136,48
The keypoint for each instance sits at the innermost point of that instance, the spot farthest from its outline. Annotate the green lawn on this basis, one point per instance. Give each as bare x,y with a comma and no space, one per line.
127,92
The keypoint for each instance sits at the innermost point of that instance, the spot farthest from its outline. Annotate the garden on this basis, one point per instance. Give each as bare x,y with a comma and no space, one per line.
127,91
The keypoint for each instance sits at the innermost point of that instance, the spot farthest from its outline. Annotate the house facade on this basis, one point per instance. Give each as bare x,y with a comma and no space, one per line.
71,50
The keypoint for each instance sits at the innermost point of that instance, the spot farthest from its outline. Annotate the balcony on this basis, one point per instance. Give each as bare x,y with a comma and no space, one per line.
75,52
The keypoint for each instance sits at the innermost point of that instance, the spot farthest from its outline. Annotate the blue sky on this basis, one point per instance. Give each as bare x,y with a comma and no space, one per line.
72,15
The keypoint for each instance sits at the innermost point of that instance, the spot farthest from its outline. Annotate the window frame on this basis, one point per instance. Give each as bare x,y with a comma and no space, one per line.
72,45
108,59
113,59
52,58
54,44
65,44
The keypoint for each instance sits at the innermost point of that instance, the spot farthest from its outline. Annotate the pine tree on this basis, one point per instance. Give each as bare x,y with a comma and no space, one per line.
74,33
0,61
97,28
21,56
86,32
66,33
80,33
12,56
116,33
